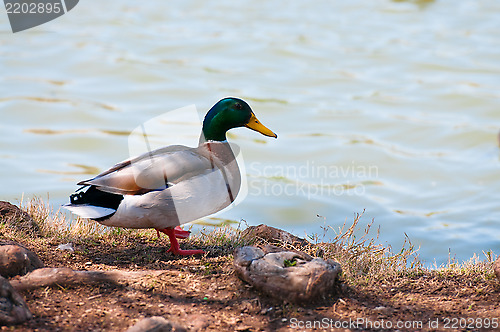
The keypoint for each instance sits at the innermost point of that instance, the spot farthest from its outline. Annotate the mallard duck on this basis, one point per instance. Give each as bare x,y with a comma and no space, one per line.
171,186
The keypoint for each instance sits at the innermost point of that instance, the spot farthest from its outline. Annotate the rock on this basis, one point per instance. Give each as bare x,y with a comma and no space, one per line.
496,268
272,235
17,218
155,324
13,309
66,246
17,260
383,310
287,275
196,322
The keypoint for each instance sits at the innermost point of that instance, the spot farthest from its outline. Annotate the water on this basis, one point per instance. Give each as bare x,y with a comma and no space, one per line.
391,107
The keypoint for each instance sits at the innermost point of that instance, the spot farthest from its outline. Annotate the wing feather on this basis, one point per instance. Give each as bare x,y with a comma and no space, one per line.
156,170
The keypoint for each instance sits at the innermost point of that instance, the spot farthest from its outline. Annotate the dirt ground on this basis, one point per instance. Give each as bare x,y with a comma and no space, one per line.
203,294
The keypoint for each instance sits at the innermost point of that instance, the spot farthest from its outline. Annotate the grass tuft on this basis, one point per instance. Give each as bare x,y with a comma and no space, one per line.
221,240
363,260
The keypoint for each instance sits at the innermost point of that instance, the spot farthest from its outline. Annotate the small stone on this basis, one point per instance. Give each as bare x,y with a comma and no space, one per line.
155,324
17,260
18,219
272,235
88,263
197,322
66,246
383,310
13,308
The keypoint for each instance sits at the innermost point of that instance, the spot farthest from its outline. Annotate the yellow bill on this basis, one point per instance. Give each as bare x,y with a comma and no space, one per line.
255,124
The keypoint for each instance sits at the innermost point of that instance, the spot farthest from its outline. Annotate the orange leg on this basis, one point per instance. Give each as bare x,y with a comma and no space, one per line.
174,244
179,233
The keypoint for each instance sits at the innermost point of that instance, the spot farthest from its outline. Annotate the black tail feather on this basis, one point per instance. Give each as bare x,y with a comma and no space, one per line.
96,197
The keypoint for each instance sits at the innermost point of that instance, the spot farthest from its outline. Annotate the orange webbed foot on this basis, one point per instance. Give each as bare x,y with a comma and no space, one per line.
173,234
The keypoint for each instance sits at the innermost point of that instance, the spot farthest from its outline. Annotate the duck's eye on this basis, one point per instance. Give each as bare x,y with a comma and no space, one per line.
238,106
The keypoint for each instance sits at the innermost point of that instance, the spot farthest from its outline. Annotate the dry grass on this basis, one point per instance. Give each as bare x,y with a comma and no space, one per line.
480,269
220,240
58,224
363,260
366,262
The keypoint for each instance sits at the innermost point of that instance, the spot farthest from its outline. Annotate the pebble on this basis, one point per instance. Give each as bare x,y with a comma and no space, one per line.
66,246
155,324
383,310
17,260
13,308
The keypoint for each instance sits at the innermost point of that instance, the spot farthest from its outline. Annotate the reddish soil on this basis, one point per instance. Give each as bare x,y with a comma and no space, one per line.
203,294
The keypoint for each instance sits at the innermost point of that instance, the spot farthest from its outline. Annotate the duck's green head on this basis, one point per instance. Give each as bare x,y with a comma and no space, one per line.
231,113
